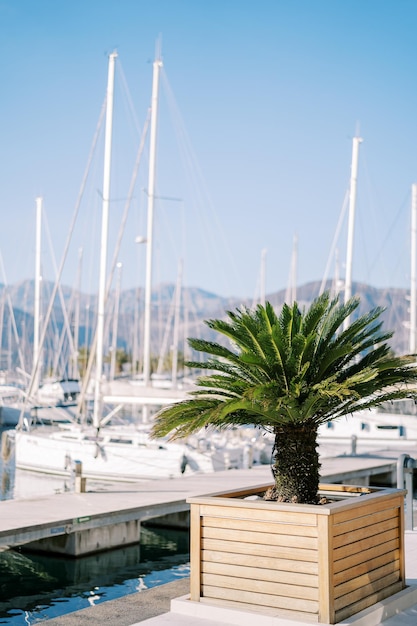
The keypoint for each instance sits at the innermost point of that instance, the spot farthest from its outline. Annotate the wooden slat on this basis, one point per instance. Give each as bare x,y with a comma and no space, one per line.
401,532
260,573
260,586
354,524
297,554
265,514
312,618
280,571
366,590
360,490
361,581
326,608
366,566
358,546
262,599
268,562
362,533
273,539
362,509
352,560
350,609
366,602
195,551
260,526
249,491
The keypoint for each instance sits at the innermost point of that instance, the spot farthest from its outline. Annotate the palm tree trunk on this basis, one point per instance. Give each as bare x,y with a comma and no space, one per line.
296,465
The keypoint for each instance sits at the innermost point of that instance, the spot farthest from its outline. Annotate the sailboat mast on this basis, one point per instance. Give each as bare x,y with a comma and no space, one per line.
149,237
291,293
115,322
263,277
37,297
75,364
294,265
176,327
104,238
351,224
413,286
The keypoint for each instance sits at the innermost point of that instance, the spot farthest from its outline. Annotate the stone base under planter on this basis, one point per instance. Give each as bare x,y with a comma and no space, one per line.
372,616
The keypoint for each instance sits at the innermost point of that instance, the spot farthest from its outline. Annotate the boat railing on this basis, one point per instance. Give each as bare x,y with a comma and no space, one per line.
405,479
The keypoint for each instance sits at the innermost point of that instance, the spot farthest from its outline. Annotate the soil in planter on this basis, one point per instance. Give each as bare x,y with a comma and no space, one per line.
272,495
325,495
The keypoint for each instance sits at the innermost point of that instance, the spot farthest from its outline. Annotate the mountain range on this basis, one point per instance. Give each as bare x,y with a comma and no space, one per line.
196,305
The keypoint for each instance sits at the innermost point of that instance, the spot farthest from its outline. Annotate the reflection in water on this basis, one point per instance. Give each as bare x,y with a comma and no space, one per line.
35,587
6,483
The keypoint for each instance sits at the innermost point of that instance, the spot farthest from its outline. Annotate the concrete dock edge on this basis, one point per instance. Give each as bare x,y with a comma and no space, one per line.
133,608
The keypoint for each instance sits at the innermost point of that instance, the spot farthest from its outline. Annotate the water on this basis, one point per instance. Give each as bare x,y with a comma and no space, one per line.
37,587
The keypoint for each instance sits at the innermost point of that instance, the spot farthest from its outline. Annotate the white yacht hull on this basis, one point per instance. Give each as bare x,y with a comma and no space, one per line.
369,429
115,455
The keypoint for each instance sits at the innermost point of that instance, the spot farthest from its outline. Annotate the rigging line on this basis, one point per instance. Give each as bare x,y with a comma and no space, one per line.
61,298
66,248
74,314
390,229
26,350
11,313
378,257
115,257
190,157
259,287
164,346
192,172
363,231
334,242
128,96
168,230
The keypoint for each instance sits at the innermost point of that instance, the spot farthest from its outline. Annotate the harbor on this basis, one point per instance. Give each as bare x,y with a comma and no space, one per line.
168,606
36,587
67,513
145,366
92,514
81,523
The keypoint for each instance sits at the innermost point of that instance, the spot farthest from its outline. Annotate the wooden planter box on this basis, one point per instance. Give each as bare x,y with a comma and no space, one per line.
319,563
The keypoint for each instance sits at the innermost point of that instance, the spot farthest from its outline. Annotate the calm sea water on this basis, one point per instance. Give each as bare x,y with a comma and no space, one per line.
35,587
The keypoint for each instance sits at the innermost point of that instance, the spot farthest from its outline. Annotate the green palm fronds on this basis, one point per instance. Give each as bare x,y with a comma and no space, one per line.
291,368
290,373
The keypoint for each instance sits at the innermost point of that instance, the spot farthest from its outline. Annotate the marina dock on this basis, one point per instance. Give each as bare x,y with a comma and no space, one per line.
81,523
68,520
167,606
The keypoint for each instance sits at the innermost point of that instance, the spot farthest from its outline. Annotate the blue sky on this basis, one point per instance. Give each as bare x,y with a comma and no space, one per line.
268,96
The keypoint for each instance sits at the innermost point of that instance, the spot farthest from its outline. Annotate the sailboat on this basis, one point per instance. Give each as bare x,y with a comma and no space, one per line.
393,423
123,452
12,399
52,399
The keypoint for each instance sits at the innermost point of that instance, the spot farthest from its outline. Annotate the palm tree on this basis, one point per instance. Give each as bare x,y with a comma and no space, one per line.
289,374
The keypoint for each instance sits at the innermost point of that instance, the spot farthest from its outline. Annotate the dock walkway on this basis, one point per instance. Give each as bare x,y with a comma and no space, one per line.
164,606
25,520
32,519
